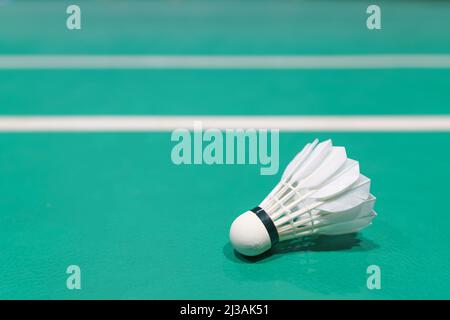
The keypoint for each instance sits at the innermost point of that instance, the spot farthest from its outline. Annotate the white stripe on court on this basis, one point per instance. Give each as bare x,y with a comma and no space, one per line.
378,61
167,123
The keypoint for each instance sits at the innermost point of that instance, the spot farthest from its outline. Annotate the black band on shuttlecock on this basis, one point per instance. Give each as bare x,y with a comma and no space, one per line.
268,223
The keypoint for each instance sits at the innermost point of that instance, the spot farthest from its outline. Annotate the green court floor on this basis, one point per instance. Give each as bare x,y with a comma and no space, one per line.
141,227
200,92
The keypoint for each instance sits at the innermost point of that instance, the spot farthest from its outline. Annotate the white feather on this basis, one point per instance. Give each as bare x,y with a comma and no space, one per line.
343,179
326,193
332,163
352,197
346,227
314,159
298,159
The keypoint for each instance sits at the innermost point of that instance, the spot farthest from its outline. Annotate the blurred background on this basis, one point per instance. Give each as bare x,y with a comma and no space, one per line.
224,28
139,226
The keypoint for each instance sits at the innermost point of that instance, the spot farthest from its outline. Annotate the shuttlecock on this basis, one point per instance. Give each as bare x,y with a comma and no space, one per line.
321,192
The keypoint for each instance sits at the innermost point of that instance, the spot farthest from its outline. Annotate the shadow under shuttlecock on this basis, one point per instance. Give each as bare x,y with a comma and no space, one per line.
348,242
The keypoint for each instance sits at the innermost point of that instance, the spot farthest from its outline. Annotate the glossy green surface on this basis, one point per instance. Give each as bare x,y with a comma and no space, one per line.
141,227
208,92
224,27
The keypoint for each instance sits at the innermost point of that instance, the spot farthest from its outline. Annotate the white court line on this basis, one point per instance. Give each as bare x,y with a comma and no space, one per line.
378,61
167,123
